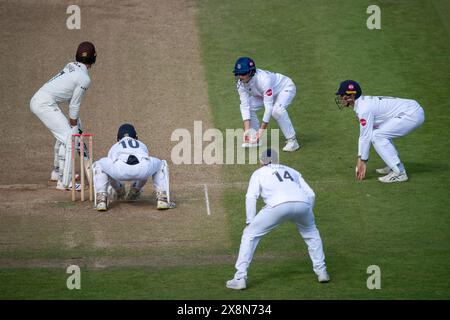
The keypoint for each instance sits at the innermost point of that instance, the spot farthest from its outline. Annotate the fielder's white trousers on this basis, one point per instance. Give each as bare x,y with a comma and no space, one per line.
107,171
269,218
394,128
279,112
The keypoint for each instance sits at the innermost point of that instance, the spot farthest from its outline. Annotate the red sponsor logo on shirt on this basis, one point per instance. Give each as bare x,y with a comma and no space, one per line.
363,122
269,92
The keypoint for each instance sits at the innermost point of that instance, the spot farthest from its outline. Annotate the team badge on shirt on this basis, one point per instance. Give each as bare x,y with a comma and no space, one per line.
363,122
269,92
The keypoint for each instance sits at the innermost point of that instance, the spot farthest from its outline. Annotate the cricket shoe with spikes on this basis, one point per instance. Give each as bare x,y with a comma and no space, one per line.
394,177
162,203
236,284
291,145
61,187
102,201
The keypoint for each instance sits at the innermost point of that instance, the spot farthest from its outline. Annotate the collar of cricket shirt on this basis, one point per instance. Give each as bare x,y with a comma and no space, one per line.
355,107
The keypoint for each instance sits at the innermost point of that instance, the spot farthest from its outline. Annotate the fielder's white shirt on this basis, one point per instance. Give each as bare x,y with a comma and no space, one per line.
276,184
69,85
128,146
372,111
265,85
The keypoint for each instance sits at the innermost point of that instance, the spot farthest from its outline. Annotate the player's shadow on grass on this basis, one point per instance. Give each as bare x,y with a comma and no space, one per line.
420,167
280,275
310,138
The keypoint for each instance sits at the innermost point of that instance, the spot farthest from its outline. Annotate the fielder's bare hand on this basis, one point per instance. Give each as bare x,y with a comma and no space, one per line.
360,169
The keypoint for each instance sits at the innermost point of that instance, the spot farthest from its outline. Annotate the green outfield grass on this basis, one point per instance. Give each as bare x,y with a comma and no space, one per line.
402,228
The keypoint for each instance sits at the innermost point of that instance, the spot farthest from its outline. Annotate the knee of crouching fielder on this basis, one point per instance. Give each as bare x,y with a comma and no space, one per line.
277,112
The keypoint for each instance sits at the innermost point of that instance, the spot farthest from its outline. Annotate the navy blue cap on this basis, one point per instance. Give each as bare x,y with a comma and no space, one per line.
349,87
126,129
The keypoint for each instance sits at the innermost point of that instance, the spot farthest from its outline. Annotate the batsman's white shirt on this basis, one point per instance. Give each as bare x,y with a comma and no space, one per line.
374,112
263,85
71,85
276,184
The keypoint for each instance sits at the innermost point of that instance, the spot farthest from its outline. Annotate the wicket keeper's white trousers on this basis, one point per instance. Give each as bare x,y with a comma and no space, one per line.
107,171
279,111
47,110
394,128
269,218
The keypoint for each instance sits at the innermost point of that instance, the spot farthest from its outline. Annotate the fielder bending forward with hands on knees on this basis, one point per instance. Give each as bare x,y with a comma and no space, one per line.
381,119
258,88
70,85
288,198
128,160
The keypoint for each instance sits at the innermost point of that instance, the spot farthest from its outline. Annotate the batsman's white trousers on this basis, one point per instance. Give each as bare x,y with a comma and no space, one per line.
107,171
394,128
269,218
279,112
47,110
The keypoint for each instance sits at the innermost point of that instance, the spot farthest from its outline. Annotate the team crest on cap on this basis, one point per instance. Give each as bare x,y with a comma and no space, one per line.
239,66
251,63
351,87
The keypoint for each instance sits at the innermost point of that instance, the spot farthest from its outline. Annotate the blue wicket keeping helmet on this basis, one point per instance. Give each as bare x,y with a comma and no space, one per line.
348,87
126,130
244,65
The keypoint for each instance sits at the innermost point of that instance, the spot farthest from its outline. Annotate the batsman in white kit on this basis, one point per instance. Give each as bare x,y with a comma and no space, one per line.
288,198
128,160
69,85
381,119
259,88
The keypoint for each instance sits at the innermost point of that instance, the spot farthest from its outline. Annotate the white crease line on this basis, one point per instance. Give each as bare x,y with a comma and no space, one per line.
207,200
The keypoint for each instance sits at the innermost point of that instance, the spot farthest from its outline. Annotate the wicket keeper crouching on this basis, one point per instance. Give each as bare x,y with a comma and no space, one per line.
128,160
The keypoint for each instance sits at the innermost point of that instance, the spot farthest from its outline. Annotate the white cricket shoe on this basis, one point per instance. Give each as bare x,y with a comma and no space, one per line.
133,194
54,176
236,284
323,277
61,187
291,145
394,177
162,203
102,201
384,170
